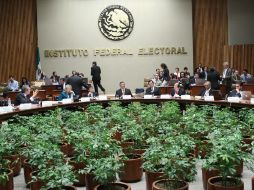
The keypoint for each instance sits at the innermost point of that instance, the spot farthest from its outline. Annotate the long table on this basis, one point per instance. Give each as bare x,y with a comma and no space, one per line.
38,108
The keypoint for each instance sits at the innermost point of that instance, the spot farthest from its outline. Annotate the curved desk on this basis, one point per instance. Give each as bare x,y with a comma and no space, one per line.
38,108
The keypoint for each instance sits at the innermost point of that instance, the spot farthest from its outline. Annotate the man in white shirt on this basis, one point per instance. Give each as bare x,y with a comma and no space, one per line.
13,85
207,91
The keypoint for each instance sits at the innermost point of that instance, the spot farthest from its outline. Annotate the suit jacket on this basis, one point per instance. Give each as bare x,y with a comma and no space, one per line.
234,93
228,77
165,75
155,92
77,83
22,99
96,73
180,92
126,92
202,93
214,78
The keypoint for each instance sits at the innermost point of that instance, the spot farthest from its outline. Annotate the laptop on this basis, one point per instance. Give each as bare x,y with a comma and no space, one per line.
246,95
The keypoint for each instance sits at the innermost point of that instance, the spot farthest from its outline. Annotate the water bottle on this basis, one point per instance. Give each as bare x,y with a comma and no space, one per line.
9,102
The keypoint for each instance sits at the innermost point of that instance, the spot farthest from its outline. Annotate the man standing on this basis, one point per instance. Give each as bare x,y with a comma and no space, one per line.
96,77
77,83
213,76
227,77
122,91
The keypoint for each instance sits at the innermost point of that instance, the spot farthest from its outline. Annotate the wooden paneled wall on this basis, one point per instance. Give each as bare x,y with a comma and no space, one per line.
18,39
210,32
240,57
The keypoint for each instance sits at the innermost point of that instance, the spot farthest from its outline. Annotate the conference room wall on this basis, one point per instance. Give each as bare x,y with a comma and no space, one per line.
241,14
73,24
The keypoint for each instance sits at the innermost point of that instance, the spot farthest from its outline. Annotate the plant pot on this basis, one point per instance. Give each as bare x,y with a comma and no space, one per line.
121,186
27,171
206,174
152,177
214,184
68,187
160,184
91,183
36,185
9,183
81,177
117,136
15,163
132,170
247,141
67,149
127,145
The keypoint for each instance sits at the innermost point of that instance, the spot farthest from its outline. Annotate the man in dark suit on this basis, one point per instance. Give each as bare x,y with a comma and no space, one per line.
77,83
178,90
237,91
214,77
24,96
122,91
207,91
227,76
96,77
194,79
152,90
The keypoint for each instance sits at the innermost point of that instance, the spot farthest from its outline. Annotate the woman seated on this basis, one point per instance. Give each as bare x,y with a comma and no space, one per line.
67,93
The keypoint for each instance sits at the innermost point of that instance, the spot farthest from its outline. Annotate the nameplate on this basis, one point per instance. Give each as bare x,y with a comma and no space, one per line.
85,99
234,99
6,109
67,101
25,106
252,100
148,96
186,97
197,97
165,96
46,103
102,97
209,98
126,97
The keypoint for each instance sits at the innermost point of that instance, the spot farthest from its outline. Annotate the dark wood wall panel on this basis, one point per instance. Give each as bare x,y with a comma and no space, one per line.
240,57
18,39
210,32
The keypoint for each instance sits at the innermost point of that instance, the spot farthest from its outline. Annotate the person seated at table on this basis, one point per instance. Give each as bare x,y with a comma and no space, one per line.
207,91
178,90
236,77
24,96
156,80
122,91
245,75
13,85
194,79
91,92
66,93
152,89
24,81
237,91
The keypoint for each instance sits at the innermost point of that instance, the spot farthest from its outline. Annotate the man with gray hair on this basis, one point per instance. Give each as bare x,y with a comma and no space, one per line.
227,77
24,96
207,91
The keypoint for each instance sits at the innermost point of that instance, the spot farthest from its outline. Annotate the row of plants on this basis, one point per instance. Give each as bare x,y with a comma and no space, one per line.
98,145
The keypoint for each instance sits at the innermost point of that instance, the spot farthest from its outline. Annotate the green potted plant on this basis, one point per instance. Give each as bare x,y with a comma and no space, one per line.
177,165
225,157
10,147
169,158
6,175
57,177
